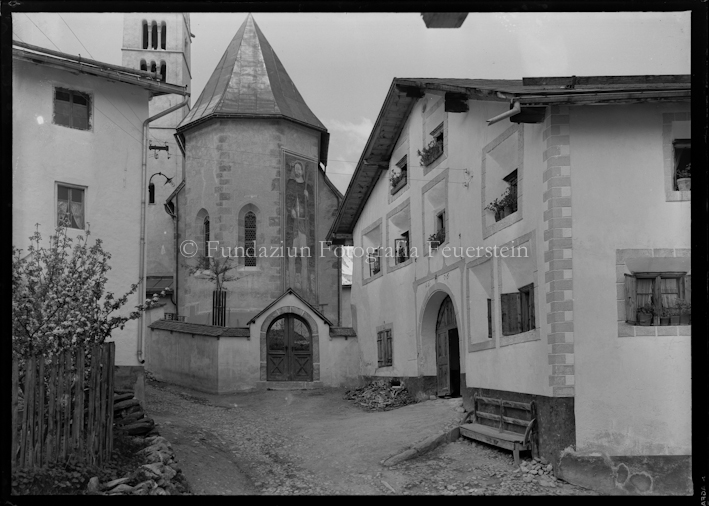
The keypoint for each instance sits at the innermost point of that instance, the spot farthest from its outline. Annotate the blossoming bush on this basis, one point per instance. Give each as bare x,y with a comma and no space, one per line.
59,297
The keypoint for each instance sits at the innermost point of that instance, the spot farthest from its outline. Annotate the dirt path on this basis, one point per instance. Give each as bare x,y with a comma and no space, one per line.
315,442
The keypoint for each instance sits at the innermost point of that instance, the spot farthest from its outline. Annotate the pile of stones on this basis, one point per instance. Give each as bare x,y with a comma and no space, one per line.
129,416
161,476
538,471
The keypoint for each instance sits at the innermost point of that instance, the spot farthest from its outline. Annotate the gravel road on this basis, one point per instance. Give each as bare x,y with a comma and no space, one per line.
314,442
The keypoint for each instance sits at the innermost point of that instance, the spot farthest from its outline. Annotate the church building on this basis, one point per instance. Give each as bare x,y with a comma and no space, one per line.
257,295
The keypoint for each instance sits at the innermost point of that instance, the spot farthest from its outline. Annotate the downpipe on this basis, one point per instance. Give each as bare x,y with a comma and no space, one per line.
144,179
516,109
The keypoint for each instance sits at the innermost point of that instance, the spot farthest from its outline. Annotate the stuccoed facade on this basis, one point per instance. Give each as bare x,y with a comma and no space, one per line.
594,187
102,160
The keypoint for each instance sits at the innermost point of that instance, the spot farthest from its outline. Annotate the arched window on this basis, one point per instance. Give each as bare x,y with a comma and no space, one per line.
163,35
155,35
206,234
163,71
151,193
250,239
143,65
145,35
153,67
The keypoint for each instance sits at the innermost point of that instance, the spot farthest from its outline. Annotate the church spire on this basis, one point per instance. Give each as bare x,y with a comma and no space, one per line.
250,81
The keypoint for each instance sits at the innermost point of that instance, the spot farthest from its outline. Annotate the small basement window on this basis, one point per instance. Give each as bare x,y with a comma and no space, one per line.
72,109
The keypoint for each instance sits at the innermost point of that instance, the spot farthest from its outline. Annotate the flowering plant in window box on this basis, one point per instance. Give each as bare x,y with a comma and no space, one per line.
684,178
437,238
665,315
685,311
505,205
644,315
397,180
431,152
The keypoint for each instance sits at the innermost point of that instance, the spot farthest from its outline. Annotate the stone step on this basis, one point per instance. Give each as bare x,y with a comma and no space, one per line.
289,385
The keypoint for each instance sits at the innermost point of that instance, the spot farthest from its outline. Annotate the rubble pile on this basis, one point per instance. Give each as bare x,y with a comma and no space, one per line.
538,471
128,414
381,395
161,476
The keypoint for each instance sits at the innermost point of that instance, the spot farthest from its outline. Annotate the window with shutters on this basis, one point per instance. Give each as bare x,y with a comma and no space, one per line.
384,348
518,311
658,298
250,239
72,109
70,206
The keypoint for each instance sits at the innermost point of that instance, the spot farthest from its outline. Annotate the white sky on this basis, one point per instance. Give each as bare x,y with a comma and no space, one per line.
343,64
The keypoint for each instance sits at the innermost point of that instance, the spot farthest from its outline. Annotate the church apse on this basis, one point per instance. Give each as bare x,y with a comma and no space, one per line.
300,231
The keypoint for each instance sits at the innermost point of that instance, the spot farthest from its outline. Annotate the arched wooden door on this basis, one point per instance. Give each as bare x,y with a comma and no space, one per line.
290,350
447,352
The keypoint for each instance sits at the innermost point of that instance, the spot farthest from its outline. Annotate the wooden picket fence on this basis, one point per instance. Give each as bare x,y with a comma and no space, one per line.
64,412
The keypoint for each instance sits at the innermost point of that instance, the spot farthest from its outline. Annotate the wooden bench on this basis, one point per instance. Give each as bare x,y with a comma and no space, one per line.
500,436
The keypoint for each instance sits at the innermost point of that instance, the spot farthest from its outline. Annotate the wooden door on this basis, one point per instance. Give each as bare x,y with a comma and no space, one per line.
300,346
289,350
444,323
442,363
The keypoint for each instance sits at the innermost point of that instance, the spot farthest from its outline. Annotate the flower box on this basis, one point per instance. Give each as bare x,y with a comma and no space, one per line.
431,152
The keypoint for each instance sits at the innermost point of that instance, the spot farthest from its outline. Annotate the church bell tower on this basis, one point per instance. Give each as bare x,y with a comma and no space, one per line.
160,43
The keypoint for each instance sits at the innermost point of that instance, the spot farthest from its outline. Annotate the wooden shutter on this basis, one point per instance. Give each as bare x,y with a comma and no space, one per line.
504,310
388,347
380,350
532,315
511,313
631,301
687,287
489,318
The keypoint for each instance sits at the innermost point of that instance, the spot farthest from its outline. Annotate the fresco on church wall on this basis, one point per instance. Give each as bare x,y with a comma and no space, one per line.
299,207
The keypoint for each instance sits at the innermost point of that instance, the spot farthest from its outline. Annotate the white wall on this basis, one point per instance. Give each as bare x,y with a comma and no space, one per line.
632,393
106,160
405,296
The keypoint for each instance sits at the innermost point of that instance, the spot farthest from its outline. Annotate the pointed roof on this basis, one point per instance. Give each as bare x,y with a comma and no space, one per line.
290,291
250,81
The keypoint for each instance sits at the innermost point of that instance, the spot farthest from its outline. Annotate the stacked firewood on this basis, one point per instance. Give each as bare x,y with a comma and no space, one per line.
381,395
128,414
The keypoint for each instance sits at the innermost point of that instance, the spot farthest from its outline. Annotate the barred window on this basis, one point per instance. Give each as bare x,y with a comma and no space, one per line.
250,239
